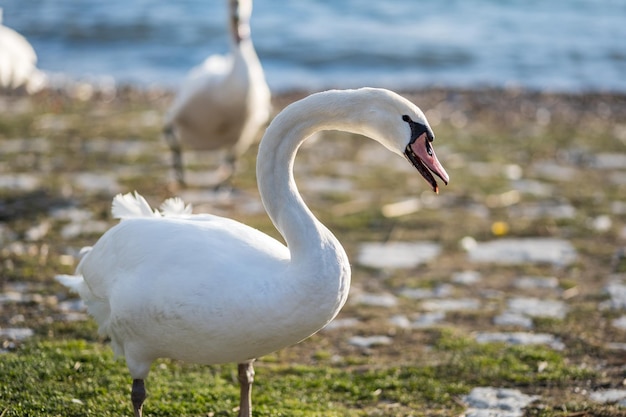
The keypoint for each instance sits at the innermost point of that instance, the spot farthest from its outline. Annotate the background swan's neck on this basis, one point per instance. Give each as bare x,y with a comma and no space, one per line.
239,20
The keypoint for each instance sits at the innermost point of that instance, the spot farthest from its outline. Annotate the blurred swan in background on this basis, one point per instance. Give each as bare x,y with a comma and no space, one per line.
18,63
223,103
208,289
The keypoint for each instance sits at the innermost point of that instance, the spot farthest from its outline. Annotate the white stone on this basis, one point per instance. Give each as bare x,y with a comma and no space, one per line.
536,307
369,341
376,300
428,319
520,338
608,396
342,323
451,304
21,182
520,251
496,402
439,291
513,319
401,255
16,333
537,282
620,323
466,277
617,293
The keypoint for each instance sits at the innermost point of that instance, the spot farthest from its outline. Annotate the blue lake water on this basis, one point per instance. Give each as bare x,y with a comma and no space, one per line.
557,45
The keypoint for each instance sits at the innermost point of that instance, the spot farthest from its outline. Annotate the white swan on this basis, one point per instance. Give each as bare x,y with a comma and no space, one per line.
208,289
18,63
223,103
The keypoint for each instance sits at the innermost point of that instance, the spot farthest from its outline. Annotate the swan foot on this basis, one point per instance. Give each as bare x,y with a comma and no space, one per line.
246,378
137,396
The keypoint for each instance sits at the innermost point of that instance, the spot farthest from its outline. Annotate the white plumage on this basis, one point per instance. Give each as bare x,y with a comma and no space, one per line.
208,289
18,63
223,103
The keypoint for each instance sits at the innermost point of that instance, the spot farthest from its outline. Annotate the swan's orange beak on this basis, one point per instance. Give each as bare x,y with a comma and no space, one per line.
422,155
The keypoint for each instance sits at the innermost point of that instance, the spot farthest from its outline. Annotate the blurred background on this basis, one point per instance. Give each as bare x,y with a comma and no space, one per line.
560,45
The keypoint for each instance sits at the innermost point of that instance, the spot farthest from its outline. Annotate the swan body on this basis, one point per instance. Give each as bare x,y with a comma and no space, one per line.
208,289
18,63
224,102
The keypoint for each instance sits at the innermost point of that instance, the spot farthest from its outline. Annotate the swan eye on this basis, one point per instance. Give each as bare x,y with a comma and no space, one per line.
418,129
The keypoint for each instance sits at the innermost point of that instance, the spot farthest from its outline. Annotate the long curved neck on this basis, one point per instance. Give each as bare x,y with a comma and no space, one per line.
304,234
238,23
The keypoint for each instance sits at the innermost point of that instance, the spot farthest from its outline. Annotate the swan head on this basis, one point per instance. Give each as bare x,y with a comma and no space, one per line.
240,12
419,151
402,127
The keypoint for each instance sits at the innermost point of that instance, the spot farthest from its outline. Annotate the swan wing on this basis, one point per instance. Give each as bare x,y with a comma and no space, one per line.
170,251
200,82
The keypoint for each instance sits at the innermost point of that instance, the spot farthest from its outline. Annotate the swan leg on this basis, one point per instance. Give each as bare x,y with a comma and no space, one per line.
177,155
225,172
137,396
246,378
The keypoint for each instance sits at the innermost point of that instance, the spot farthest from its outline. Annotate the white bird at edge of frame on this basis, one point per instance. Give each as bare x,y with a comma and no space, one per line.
223,104
18,63
207,289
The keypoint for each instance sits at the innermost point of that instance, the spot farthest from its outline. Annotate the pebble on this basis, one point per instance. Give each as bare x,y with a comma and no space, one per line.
610,160
496,402
539,210
422,321
16,333
400,321
452,304
342,323
326,185
402,208
609,396
96,183
618,178
21,182
22,146
620,323
536,307
428,319
553,171
442,290
84,228
509,318
602,223
528,282
366,342
466,277
520,338
400,255
617,295
553,251
376,300
533,187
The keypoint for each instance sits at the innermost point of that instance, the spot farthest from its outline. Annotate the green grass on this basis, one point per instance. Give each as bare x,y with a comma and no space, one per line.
76,378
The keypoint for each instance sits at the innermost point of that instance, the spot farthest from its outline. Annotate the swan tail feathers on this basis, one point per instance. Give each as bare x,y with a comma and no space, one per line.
175,207
98,308
131,205
75,283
